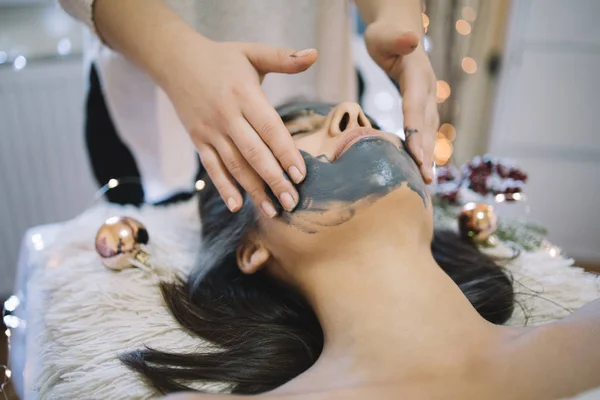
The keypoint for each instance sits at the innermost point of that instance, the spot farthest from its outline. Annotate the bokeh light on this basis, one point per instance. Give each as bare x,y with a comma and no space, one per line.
200,184
448,131
64,46
442,151
469,65
469,13
443,91
463,27
19,63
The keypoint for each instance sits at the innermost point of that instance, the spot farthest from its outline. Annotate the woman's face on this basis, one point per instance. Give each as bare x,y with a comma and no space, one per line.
358,179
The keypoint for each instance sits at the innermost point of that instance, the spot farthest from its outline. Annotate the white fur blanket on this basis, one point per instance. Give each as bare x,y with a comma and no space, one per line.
80,316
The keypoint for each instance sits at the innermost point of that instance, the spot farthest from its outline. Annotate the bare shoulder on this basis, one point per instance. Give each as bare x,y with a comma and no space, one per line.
559,359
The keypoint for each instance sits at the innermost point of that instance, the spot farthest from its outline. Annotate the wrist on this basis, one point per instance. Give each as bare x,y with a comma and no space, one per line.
181,47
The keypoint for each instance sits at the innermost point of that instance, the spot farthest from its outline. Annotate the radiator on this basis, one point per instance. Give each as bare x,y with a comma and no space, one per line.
44,172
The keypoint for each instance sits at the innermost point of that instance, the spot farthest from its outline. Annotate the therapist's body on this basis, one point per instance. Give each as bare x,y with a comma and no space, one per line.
173,79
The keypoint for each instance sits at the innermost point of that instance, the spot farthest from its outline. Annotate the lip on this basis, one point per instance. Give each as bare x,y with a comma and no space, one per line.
355,136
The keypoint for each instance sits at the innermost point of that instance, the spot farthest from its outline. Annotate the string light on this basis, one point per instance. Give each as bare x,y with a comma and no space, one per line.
469,13
442,91
469,65
11,321
200,184
463,27
38,243
12,303
113,183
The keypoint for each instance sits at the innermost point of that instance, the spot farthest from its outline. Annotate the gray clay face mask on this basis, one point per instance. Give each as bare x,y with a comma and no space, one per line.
332,192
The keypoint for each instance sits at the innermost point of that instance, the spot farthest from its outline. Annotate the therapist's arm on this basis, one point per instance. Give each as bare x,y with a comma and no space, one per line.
215,88
394,40
405,13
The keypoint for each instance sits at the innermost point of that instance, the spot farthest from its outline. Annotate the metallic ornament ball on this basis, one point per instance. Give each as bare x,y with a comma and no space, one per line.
119,240
477,222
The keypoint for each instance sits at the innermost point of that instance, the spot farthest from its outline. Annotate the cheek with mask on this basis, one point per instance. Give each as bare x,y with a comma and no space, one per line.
334,192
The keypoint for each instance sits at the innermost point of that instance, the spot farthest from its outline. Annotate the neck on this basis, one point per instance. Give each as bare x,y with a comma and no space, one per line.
389,309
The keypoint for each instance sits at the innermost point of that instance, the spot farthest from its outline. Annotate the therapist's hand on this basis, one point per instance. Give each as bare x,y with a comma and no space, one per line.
403,58
216,90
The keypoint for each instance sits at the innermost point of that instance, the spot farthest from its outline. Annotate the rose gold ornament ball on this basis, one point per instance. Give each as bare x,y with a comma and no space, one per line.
477,222
119,240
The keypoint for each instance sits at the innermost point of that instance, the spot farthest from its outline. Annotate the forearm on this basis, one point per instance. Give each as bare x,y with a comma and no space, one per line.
561,358
147,32
589,314
404,13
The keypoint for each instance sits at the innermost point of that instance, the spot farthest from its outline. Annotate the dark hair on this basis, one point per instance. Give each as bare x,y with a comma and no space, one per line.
265,333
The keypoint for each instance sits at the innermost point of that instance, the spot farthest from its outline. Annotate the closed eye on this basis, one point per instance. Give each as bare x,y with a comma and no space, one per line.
300,132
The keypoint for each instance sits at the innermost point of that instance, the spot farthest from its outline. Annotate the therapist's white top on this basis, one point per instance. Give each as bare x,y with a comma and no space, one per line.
144,116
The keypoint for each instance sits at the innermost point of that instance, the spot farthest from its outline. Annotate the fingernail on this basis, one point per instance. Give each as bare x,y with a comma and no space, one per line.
303,53
295,174
231,204
268,209
287,201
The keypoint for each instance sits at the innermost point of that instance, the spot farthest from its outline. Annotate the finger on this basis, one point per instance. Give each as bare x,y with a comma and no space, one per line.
248,179
429,138
413,107
267,123
275,59
221,179
390,41
255,156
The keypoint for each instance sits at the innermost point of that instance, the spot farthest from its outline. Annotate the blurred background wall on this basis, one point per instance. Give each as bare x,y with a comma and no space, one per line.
516,78
44,173
545,116
520,79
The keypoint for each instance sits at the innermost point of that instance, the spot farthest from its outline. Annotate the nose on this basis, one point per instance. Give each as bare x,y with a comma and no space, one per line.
347,116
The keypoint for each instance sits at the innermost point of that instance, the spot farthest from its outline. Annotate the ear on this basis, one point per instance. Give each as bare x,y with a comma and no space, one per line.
251,257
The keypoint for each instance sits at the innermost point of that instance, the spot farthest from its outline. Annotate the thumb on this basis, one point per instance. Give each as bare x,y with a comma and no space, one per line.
274,59
384,40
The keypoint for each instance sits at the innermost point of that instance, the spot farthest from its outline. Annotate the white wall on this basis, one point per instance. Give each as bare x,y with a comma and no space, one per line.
44,173
546,116
35,30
